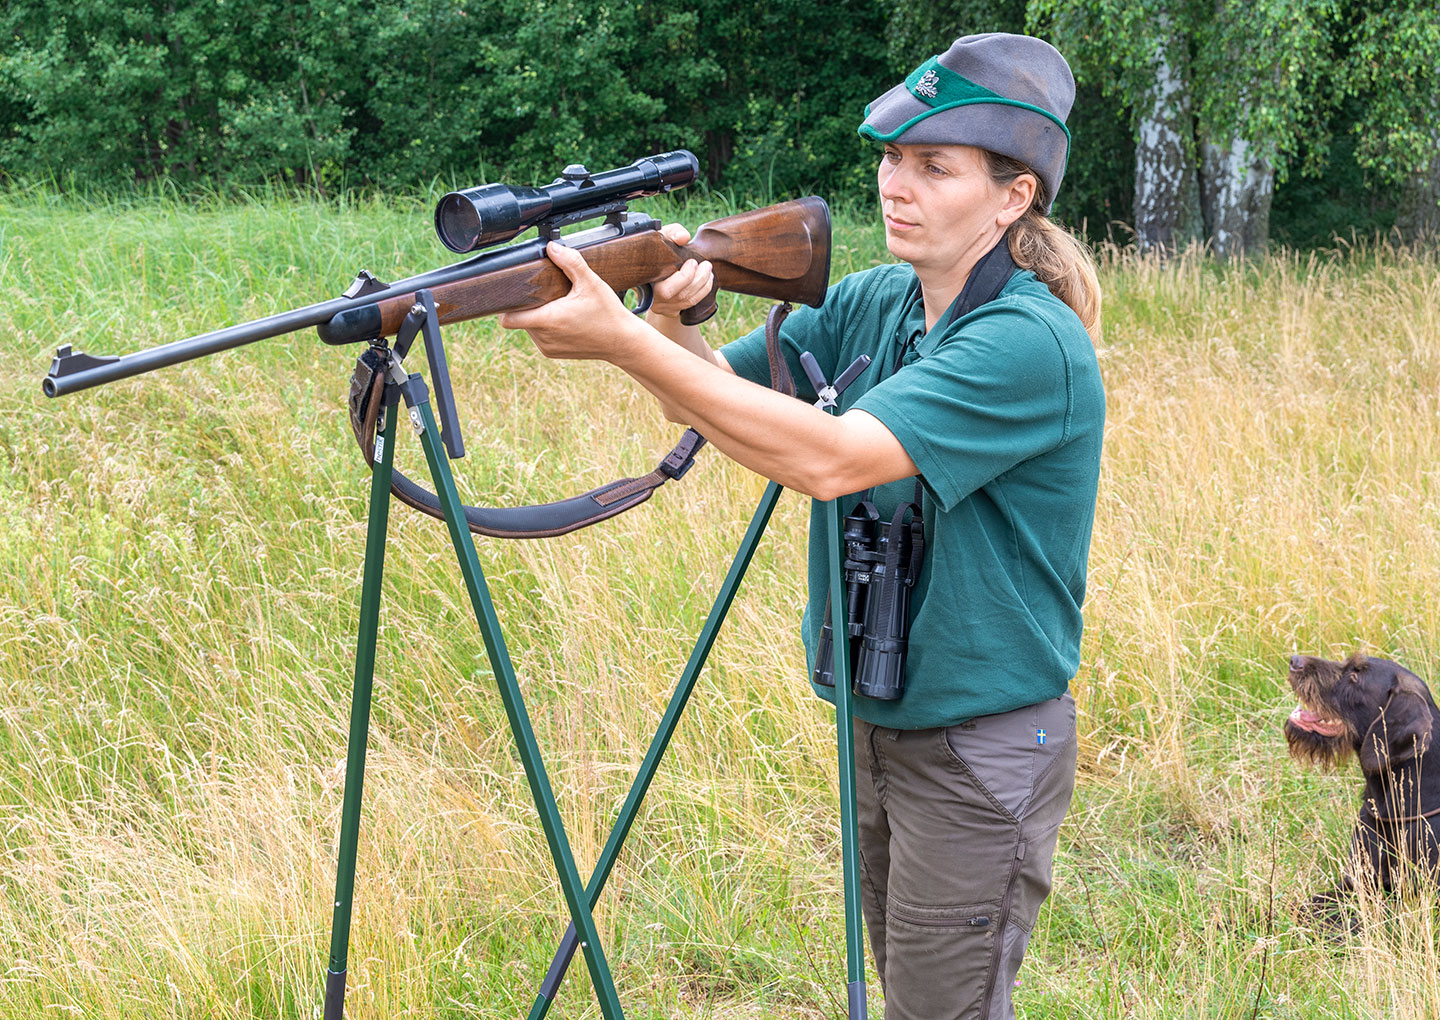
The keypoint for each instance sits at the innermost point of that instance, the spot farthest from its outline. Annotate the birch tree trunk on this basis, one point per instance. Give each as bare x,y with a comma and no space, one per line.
1418,218
1167,197
1237,185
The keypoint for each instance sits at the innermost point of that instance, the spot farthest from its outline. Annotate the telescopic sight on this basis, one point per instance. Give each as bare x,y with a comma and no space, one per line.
491,213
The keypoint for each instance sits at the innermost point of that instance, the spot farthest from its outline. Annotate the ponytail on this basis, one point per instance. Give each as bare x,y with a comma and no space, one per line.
1059,259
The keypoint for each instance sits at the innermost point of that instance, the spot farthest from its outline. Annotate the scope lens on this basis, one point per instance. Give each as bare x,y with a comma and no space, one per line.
458,223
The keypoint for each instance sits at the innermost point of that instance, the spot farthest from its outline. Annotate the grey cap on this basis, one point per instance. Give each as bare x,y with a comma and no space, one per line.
1006,93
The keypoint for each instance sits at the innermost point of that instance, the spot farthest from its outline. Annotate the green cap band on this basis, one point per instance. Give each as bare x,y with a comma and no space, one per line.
941,89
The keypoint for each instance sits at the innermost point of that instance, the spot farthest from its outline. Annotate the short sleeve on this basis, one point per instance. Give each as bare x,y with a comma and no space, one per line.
804,329
995,394
824,331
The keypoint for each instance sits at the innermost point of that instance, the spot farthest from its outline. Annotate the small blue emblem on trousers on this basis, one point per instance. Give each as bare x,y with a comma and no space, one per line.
1039,736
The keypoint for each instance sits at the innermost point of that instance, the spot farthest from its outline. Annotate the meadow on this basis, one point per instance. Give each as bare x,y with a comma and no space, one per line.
180,560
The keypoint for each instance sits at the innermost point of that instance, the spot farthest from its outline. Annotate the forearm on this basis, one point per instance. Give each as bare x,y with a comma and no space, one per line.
785,439
688,337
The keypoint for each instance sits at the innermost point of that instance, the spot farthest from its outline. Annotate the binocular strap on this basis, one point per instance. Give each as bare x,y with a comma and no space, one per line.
894,546
540,520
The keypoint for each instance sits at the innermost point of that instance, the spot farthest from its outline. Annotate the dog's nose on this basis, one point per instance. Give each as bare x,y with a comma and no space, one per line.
1297,662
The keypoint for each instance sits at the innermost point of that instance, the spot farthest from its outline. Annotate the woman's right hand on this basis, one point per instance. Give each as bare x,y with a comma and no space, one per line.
684,288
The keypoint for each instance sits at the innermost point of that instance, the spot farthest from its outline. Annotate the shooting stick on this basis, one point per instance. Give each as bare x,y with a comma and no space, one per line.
579,899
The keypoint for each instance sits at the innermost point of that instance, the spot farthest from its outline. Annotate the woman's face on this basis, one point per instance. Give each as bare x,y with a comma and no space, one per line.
942,210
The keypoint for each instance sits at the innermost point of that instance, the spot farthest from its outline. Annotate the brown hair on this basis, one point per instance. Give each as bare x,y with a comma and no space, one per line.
1060,259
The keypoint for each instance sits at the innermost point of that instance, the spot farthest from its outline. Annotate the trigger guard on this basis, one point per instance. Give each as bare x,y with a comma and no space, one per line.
644,298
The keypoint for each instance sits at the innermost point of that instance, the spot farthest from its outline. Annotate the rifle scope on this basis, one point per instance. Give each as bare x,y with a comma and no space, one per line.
492,213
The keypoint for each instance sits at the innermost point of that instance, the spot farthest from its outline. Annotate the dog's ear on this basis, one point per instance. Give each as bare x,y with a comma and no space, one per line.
1402,731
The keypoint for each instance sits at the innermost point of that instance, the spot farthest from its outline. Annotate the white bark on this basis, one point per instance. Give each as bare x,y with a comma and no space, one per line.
1166,188
1418,218
1236,188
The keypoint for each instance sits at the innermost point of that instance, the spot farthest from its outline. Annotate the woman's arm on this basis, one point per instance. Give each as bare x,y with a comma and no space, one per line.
784,439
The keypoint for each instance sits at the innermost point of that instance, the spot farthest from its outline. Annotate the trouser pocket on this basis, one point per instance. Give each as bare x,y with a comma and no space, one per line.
940,958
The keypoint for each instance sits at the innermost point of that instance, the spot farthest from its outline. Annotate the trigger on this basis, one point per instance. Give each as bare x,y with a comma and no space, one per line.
644,298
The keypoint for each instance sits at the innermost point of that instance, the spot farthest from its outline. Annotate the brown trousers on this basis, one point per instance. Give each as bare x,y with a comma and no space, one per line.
957,831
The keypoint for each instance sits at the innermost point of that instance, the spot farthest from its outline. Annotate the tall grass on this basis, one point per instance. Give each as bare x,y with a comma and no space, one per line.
179,576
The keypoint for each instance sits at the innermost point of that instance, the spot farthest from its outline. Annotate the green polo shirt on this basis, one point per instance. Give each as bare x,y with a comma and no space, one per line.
1002,412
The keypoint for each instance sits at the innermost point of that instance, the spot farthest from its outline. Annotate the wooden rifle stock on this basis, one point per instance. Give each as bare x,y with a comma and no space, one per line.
780,252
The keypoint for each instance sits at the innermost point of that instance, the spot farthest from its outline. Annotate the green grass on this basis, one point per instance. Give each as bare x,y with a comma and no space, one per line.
179,570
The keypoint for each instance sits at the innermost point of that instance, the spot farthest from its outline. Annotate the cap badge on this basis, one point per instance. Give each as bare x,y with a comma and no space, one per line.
926,85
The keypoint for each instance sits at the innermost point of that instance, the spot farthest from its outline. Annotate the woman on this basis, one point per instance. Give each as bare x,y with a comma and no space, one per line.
984,385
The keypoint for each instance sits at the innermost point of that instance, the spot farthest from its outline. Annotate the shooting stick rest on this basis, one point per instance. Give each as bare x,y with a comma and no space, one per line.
396,384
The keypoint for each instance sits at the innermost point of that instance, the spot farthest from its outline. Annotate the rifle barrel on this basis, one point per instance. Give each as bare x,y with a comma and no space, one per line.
91,371
72,372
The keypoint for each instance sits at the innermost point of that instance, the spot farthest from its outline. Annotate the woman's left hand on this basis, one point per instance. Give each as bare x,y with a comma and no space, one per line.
587,323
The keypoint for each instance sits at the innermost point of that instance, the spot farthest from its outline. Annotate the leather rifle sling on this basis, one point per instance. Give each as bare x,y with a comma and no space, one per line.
542,520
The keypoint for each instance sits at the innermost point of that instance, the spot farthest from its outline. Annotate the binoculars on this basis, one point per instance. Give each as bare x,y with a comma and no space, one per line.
882,562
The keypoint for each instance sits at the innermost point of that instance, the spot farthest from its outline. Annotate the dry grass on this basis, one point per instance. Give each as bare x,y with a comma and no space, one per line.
179,575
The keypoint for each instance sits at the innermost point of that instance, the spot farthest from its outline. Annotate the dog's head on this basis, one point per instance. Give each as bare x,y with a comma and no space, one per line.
1373,708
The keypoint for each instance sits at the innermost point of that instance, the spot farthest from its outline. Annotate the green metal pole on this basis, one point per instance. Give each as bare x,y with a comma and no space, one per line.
360,716
660,742
845,745
514,704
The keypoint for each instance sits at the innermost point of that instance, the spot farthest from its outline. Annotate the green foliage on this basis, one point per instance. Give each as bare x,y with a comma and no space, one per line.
198,91
795,76
1109,43
520,87
1393,66
1274,72
918,28
325,94
1256,67
1253,66
240,91
1314,209
1097,195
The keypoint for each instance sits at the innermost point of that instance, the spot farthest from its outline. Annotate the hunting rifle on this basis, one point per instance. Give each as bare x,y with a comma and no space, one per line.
780,252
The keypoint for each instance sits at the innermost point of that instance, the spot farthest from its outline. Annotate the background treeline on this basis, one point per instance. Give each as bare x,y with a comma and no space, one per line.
1218,120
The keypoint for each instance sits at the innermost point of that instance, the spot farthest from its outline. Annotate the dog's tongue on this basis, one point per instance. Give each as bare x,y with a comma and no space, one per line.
1308,720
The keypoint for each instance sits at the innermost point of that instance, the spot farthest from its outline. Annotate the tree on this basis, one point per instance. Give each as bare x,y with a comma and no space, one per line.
1392,65
184,91
1220,92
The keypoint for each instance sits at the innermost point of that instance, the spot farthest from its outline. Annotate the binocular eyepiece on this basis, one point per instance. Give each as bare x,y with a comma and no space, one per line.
491,213
882,563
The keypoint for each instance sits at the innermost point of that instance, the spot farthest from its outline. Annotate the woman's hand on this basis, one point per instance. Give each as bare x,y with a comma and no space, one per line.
687,286
590,322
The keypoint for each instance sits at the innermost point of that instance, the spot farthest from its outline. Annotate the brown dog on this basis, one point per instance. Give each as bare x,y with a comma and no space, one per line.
1384,715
